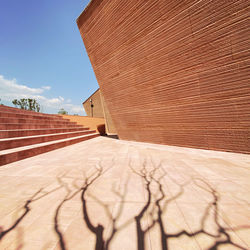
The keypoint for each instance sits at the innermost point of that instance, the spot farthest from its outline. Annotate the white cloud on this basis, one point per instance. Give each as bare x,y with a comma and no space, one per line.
12,87
75,109
10,90
54,101
46,87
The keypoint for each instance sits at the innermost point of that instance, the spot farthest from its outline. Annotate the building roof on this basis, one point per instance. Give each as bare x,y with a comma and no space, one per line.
91,96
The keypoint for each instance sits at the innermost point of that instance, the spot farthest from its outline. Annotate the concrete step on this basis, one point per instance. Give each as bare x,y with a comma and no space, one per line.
31,116
22,111
30,140
11,126
31,132
16,154
34,121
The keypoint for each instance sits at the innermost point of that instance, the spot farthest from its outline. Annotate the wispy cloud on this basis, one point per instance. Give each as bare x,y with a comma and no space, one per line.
46,87
11,89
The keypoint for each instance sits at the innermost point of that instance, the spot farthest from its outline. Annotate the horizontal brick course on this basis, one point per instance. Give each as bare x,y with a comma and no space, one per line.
26,133
173,72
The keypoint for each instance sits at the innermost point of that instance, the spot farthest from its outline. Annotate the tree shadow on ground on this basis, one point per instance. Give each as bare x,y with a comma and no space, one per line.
26,207
87,182
154,177
222,236
100,242
159,206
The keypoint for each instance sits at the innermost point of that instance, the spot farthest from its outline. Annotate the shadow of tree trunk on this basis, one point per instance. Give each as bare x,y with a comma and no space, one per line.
97,230
147,177
115,217
69,195
101,243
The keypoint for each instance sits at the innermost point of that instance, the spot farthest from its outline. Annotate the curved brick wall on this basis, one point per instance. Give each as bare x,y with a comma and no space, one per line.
173,72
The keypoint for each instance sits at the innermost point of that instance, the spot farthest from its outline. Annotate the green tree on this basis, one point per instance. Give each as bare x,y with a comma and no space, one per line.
62,112
27,104
15,102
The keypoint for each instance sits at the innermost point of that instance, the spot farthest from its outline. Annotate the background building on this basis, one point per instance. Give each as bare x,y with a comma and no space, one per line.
173,72
95,106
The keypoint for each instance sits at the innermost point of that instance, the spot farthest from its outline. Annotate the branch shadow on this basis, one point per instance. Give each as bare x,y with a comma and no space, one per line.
101,243
88,181
155,207
36,196
222,237
159,207
68,197
114,217
71,194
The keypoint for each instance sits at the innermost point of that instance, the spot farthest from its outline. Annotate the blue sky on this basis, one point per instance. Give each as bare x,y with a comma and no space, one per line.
42,54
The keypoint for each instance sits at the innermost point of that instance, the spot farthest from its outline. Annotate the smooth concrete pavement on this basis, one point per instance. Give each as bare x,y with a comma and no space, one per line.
111,194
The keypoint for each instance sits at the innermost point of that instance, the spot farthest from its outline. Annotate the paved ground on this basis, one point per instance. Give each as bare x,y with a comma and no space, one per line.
111,194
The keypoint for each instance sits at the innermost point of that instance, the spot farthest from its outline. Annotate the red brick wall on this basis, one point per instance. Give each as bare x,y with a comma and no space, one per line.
110,127
173,71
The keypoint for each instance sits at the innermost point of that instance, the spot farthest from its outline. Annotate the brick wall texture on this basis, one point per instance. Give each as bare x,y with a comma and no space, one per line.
174,72
109,124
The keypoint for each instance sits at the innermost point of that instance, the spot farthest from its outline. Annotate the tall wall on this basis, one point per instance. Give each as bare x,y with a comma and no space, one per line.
110,127
173,71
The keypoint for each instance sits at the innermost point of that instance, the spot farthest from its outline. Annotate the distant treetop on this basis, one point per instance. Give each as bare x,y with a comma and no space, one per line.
62,112
27,104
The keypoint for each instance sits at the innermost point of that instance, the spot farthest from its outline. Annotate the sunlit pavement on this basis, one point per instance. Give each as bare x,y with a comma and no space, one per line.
111,194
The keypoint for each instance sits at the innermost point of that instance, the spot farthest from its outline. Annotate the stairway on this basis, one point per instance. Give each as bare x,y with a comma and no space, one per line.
27,133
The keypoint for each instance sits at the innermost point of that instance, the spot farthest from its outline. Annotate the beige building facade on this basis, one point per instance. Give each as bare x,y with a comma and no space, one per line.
95,106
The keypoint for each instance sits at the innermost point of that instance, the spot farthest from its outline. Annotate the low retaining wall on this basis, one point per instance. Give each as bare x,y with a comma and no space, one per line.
93,123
